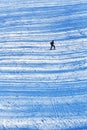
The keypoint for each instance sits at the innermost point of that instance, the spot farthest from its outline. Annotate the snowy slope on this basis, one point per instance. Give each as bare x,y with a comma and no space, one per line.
42,89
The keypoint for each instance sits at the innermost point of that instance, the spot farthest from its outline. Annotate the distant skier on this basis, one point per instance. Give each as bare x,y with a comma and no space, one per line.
52,45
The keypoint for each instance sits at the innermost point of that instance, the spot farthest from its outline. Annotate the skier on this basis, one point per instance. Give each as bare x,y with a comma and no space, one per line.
52,45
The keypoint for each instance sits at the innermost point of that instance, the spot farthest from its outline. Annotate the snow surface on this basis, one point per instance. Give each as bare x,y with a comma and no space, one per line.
43,89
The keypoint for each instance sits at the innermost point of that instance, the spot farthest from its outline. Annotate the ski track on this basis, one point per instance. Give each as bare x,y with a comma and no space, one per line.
42,89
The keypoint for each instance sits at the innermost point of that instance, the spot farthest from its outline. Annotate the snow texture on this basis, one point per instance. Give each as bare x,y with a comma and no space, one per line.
43,89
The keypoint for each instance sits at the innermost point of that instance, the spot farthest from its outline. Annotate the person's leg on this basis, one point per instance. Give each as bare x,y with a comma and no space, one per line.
54,47
51,48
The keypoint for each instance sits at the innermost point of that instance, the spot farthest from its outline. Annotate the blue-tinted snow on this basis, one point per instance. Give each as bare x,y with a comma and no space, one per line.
42,89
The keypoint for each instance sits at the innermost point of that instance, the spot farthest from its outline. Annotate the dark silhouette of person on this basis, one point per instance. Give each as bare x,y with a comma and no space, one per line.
52,45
